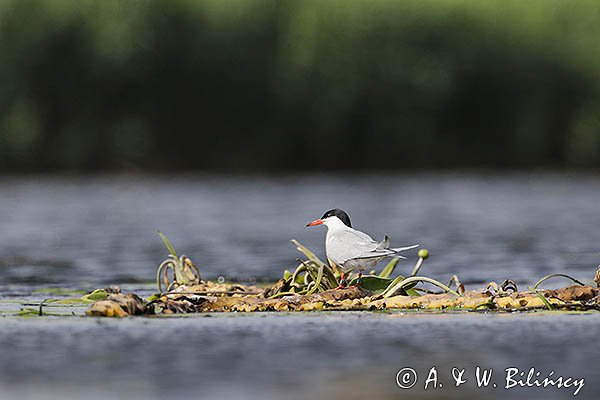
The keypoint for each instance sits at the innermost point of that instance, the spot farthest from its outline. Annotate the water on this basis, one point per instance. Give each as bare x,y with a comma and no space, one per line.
100,230
86,232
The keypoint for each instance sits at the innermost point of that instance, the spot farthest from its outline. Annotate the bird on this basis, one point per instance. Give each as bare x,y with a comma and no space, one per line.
351,249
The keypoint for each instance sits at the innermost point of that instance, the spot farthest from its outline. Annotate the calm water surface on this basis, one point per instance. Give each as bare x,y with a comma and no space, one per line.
100,230
85,232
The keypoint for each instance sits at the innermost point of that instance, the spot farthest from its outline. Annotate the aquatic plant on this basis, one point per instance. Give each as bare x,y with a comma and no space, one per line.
183,269
423,255
310,276
407,286
388,270
398,287
543,298
508,286
315,276
308,289
556,276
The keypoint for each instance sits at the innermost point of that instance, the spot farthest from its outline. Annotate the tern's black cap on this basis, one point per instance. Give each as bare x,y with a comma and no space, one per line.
341,214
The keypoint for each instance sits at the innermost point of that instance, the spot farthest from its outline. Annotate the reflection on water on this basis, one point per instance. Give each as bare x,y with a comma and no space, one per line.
97,230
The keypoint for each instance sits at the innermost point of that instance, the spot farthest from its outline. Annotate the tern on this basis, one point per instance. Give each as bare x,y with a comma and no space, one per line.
351,249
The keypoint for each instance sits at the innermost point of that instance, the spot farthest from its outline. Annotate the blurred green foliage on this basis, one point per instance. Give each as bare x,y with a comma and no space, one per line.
242,85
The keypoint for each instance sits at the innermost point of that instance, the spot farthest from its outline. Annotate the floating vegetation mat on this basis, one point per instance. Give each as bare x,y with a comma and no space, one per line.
313,286
186,300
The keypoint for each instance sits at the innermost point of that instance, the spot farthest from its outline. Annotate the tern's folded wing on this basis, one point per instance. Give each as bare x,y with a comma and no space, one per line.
348,244
384,252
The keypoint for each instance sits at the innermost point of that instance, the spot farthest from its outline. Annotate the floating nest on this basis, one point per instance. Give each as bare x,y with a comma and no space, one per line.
312,287
576,297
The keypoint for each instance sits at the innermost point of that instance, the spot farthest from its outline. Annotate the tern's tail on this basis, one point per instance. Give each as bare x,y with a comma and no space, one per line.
384,245
386,252
400,249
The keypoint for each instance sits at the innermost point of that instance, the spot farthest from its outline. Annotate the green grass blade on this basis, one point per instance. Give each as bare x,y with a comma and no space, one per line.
168,244
544,300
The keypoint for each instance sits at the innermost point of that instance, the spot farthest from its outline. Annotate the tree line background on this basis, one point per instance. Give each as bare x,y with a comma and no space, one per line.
239,85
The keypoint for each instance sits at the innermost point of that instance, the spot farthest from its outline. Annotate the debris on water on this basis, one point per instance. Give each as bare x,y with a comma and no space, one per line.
118,305
573,293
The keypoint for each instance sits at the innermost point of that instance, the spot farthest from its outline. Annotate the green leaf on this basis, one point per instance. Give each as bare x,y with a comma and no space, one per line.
317,281
296,277
153,297
372,282
28,312
309,254
60,291
168,244
98,294
412,292
389,269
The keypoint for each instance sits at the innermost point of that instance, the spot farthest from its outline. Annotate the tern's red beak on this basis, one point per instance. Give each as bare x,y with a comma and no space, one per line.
315,222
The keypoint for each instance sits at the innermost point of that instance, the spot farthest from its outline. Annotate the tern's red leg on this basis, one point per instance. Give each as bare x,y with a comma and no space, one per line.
358,279
342,282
